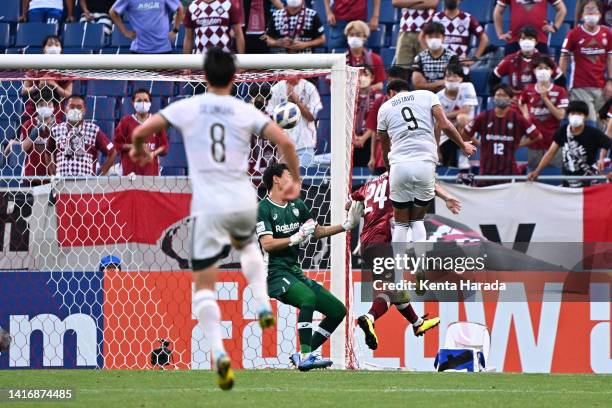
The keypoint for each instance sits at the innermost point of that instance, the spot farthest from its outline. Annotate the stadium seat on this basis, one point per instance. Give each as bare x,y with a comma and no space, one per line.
319,7
5,36
107,88
395,30
77,50
323,136
377,38
157,88
569,17
10,10
324,87
118,39
108,127
100,108
341,50
388,13
174,135
180,36
521,154
325,112
173,171
555,40
388,55
176,156
127,107
10,108
480,79
493,40
481,10
33,34
15,159
84,35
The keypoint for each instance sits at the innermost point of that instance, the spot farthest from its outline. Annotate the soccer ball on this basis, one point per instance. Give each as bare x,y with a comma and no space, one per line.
287,115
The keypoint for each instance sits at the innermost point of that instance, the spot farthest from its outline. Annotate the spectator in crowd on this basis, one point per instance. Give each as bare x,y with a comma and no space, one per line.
606,9
96,11
73,145
543,103
414,14
519,66
157,143
46,11
209,26
579,144
150,20
305,95
459,26
527,13
376,163
295,29
590,46
502,132
367,97
357,33
430,64
34,135
459,101
341,12
257,17
61,88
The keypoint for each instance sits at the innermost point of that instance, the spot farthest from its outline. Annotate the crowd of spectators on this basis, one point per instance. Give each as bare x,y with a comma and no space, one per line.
528,92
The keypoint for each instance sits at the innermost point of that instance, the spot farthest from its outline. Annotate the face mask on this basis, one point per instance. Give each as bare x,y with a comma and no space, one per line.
434,44
451,86
451,4
294,3
365,81
74,115
542,75
53,49
501,103
591,19
44,111
355,42
142,107
527,45
576,120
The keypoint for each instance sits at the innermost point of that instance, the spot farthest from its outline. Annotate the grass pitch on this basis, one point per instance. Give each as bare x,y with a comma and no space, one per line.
283,388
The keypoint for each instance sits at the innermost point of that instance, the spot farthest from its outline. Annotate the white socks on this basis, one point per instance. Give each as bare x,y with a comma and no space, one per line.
419,236
254,270
401,232
207,310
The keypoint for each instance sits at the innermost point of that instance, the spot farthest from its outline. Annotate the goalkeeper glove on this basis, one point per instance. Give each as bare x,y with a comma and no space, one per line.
355,213
305,231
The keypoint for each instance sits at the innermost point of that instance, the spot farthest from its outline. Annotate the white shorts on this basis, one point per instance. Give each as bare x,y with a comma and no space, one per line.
211,235
412,181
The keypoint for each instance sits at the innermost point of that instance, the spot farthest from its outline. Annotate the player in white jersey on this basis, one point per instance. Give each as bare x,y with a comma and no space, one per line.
217,131
406,124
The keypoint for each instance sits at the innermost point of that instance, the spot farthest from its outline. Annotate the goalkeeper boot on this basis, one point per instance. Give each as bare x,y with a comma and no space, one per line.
368,329
295,359
314,362
225,374
426,325
266,318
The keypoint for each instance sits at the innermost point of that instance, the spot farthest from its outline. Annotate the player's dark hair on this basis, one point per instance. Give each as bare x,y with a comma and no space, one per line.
504,87
75,96
398,85
544,59
434,28
454,69
52,37
141,90
582,4
366,67
276,169
219,67
578,107
395,71
529,31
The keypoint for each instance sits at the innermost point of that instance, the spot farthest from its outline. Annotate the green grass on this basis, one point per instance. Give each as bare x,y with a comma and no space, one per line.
280,388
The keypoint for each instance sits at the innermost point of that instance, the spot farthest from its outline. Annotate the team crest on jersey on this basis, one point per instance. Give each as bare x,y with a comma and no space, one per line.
274,216
510,125
296,212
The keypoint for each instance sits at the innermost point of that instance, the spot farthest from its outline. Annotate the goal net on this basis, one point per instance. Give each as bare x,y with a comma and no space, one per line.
60,307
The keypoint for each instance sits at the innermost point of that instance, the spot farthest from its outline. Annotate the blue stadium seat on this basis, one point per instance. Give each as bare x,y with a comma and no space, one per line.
569,17
100,108
84,35
174,135
180,36
395,30
325,112
127,107
324,87
10,10
77,50
480,79
8,130
176,156
118,39
555,40
521,154
323,136
493,40
319,7
388,13
107,88
15,159
340,50
108,127
174,171
388,55
14,50
115,50
10,108
481,10
5,35
33,34
377,38
156,88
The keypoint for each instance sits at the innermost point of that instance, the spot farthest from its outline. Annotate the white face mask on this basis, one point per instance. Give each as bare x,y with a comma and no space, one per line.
451,86
294,3
53,49
591,19
142,107
355,42
527,45
542,75
576,120
74,115
434,44
44,111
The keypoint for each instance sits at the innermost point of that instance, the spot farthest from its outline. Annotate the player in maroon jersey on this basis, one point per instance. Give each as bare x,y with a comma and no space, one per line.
374,239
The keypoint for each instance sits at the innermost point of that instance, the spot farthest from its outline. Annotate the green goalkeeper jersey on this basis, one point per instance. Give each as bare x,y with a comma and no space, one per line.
282,221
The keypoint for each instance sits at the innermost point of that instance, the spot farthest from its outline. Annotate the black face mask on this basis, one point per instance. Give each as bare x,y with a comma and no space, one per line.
451,4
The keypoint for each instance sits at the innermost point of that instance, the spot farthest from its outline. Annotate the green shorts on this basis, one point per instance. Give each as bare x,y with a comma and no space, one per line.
280,283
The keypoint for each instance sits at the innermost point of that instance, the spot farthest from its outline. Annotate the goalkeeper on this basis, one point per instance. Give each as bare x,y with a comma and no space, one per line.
282,225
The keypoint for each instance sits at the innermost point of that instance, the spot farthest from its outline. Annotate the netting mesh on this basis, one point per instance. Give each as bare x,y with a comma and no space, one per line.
56,225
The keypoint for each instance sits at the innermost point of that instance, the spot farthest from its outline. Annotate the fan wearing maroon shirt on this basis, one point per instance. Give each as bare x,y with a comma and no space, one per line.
374,239
590,45
527,12
519,66
157,143
501,133
342,11
543,103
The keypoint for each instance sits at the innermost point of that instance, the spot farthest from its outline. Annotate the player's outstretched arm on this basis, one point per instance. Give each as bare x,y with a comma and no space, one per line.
278,137
385,146
156,123
355,212
450,130
452,203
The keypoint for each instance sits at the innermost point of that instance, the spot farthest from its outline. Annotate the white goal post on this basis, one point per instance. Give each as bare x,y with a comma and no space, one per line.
341,134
